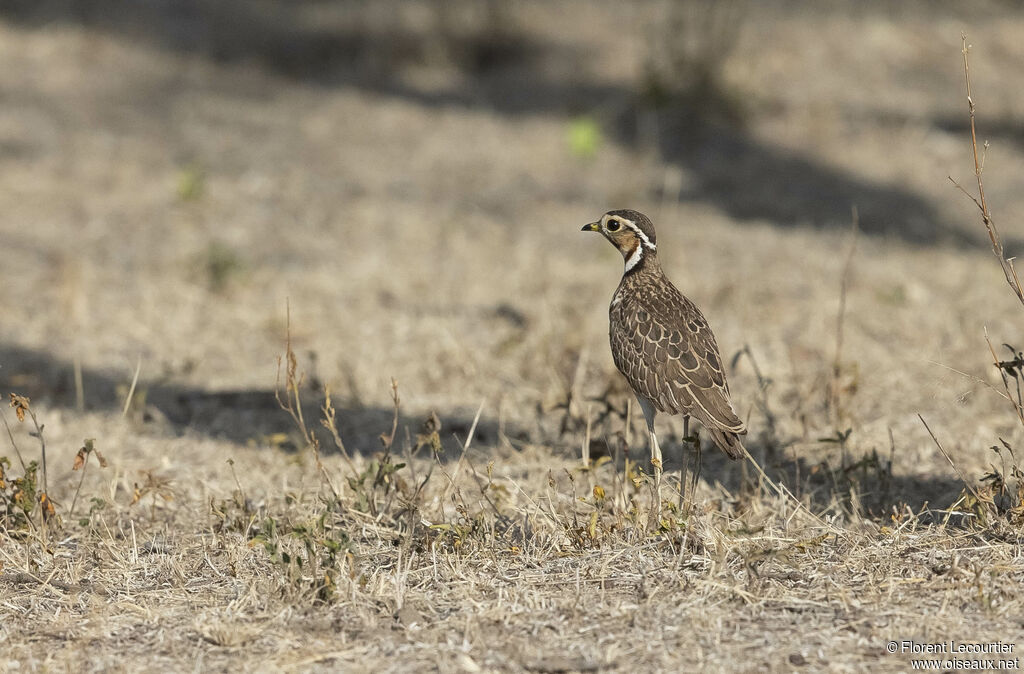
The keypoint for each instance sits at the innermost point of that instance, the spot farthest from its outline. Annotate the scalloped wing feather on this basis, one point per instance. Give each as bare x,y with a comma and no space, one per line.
664,347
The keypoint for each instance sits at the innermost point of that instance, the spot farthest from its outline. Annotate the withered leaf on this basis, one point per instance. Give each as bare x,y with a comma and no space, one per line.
47,506
20,405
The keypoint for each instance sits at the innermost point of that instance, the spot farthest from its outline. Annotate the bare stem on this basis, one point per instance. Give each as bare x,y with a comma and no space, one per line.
291,401
948,459
986,216
844,284
14,444
42,447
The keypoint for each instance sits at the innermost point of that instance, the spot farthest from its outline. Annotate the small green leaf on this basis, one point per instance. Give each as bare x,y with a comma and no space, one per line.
584,137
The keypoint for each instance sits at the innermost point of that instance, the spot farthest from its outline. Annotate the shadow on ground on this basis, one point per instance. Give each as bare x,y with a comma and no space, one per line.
504,70
1007,129
825,487
254,417
750,180
240,416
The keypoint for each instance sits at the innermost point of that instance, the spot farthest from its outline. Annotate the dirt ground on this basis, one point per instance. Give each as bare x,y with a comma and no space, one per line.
407,181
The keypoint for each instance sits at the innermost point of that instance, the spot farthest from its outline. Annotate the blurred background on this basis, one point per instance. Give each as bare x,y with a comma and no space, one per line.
410,177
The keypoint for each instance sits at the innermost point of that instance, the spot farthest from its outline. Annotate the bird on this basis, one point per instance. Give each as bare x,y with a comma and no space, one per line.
663,345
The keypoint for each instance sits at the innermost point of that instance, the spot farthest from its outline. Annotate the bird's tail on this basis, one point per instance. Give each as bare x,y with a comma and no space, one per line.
728,442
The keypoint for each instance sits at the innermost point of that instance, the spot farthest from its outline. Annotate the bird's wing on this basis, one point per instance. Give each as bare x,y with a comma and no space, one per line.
663,345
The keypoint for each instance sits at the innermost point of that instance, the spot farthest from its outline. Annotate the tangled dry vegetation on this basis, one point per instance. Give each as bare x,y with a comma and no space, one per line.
416,555
413,555
474,542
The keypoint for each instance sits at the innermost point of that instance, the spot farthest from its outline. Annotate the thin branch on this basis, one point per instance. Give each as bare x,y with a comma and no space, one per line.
42,446
10,434
979,164
1006,384
291,402
131,390
943,452
844,284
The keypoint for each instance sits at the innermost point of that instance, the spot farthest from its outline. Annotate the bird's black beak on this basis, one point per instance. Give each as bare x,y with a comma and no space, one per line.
591,227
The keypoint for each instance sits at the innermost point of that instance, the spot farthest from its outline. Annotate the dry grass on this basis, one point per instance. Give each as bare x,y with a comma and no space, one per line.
163,208
444,564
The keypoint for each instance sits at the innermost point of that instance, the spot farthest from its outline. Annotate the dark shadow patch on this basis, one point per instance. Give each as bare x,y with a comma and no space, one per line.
310,40
506,71
245,417
1006,129
824,487
750,180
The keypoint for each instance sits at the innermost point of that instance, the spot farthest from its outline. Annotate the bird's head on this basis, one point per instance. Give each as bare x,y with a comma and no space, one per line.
630,231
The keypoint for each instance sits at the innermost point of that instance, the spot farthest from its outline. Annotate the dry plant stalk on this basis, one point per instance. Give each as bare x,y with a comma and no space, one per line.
1013,366
979,166
22,407
329,421
1009,271
946,456
82,464
291,401
10,435
836,386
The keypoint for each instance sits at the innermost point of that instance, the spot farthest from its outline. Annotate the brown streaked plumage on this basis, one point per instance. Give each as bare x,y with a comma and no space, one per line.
662,343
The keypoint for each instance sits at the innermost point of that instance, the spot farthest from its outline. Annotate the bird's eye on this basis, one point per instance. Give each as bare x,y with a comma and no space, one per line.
613,225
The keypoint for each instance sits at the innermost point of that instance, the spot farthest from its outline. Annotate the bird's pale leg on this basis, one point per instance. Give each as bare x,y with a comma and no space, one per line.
683,483
697,467
656,462
649,413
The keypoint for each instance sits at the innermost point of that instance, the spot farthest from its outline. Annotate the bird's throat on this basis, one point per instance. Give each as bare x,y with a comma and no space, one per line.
634,257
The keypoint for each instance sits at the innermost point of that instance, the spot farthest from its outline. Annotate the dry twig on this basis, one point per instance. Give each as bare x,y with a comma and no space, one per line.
979,165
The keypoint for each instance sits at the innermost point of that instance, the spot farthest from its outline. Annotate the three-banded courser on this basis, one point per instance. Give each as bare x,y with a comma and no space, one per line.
662,343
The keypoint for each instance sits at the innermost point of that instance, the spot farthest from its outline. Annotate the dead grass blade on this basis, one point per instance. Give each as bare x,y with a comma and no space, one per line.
948,458
131,389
